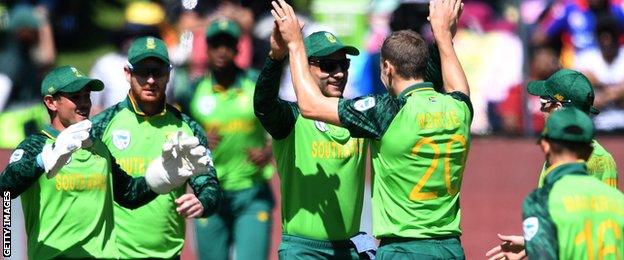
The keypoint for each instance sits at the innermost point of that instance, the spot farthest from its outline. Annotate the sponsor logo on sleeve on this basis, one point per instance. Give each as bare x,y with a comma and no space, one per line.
321,126
364,104
16,155
530,227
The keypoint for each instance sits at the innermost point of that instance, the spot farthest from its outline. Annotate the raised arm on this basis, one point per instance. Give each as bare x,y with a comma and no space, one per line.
277,116
312,103
443,16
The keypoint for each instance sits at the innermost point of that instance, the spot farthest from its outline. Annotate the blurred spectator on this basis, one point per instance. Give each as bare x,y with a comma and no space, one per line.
26,53
543,62
142,19
234,11
573,22
604,67
491,55
222,102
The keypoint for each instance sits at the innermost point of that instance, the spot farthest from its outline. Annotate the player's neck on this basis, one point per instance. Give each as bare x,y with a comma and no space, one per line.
225,77
400,84
55,122
562,158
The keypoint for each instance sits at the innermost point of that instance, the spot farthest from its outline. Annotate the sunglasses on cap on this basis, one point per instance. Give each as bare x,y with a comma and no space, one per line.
547,100
330,65
146,71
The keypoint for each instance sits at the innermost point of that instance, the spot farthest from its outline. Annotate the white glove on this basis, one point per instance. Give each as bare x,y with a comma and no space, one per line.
56,155
182,157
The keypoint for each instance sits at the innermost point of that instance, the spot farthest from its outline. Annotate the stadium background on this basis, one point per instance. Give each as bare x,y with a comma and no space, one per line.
496,43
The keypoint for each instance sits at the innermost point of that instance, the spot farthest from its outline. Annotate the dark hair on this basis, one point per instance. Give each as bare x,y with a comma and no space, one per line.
581,150
408,52
609,25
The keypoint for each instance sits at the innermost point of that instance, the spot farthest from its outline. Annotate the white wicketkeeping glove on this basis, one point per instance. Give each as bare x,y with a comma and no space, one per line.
56,155
182,157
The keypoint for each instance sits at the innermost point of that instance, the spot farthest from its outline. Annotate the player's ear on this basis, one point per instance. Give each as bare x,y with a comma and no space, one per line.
544,145
50,102
128,74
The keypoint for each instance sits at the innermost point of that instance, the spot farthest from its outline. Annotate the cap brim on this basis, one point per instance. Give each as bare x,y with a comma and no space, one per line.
537,88
81,83
329,50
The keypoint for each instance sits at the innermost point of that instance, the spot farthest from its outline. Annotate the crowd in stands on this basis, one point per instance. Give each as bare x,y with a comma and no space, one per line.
501,46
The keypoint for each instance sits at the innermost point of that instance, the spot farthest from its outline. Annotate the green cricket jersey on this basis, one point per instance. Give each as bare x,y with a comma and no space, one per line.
574,216
229,113
321,167
600,165
420,143
134,139
71,214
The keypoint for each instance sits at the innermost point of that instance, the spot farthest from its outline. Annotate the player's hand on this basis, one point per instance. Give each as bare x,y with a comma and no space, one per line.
56,155
511,248
287,22
189,206
260,156
278,46
181,158
444,16
213,139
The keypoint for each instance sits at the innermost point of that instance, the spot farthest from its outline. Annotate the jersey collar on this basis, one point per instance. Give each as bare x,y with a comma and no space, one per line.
50,132
238,82
422,86
556,171
131,104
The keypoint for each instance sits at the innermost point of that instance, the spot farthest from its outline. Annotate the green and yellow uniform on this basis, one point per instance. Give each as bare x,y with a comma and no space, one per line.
71,214
321,171
135,139
600,165
420,141
244,215
574,216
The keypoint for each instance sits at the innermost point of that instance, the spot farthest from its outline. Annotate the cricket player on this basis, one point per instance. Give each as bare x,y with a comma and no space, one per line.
221,101
573,215
569,88
321,167
419,137
564,88
69,210
134,130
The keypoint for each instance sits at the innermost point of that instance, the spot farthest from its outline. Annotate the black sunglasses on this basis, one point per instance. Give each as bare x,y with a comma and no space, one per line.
544,100
146,71
330,65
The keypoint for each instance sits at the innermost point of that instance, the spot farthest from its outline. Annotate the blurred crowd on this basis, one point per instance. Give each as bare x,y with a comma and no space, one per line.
501,44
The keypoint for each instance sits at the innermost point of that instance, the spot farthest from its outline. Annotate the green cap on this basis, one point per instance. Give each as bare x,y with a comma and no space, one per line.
569,87
223,26
23,16
146,47
323,43
569,124
68,79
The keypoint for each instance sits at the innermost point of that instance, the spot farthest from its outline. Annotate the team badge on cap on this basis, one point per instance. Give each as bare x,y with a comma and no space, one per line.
121,139
330,37
150,43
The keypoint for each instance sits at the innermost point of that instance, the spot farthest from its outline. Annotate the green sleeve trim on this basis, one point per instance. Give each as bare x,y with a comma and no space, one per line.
433,71
543,244
277,116
21,174
206,186
129,192
369,116
464,98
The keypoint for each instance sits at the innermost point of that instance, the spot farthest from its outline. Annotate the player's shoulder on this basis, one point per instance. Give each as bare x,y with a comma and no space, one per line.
185,119
101,121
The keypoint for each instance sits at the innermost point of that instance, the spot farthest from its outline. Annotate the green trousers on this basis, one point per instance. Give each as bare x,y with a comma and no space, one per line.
243,222
298,248
425,249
